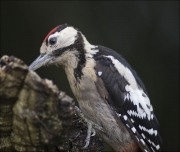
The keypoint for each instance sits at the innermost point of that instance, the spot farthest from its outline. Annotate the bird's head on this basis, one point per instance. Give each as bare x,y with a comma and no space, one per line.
63,45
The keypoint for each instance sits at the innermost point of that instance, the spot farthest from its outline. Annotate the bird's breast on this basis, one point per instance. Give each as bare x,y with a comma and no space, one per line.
96,109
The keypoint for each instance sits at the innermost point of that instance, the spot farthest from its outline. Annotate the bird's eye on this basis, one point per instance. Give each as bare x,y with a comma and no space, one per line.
52,40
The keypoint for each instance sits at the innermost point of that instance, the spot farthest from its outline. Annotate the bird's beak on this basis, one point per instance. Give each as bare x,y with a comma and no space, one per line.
41,60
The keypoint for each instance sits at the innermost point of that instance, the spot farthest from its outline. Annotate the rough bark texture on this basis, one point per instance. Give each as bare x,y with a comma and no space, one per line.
35,115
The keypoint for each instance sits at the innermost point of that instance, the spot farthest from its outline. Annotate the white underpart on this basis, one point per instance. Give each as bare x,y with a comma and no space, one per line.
65,37
150,131
134,93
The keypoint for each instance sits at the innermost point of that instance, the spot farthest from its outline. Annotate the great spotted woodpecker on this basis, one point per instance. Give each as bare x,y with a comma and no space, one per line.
109,92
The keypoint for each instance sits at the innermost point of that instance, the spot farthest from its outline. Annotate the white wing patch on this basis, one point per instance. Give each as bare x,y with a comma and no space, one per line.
137,98
142,141
124,71
135,94
119,115
152,143
127,125
132,120
133,129
99,73
143,135
134,113
125,117
126,97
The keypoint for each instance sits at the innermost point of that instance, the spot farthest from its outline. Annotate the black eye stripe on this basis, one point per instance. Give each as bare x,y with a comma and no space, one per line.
52,40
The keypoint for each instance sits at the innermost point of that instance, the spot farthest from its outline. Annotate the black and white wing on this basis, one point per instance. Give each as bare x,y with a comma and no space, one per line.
128,97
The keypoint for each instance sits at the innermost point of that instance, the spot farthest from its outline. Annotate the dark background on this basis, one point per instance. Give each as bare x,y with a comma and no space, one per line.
145,33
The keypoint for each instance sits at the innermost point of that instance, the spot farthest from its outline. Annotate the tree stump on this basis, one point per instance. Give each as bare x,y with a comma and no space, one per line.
35,115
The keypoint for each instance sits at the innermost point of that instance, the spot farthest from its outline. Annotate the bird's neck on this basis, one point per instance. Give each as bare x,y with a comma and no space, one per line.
83,50
81,64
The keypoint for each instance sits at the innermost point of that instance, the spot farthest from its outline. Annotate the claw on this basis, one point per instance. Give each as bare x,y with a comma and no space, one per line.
86,145
90,131
86,120
93,132
88,137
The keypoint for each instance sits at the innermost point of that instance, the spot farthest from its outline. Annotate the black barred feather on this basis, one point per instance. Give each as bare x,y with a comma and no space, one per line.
135,134
152,124
115,84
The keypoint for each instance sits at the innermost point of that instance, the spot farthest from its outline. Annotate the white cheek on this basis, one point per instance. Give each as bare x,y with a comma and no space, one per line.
65,40
65,37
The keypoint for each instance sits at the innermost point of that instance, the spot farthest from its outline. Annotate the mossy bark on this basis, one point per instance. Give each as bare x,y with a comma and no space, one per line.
35,115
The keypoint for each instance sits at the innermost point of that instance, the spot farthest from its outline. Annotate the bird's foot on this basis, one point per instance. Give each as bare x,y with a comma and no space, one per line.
91,125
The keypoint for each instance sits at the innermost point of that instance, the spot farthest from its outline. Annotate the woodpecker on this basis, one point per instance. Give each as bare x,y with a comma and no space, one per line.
109,92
